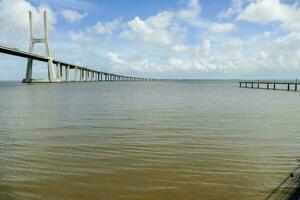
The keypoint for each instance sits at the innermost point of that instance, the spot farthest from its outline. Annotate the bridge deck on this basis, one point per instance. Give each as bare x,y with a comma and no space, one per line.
108,76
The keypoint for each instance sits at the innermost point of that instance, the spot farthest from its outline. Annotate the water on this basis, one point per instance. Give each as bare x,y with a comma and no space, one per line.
152,140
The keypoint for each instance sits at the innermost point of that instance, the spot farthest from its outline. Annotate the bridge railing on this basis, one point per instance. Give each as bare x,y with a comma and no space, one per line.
276,81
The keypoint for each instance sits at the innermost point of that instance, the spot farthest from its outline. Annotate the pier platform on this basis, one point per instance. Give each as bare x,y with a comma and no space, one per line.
289,85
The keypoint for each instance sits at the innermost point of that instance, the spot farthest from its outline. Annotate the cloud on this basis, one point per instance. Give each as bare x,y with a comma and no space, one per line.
253,55
269,11
222,27
180,48
106,27
235,8
80,37
115,59
155,29
15,13
72,15
191,13
165,27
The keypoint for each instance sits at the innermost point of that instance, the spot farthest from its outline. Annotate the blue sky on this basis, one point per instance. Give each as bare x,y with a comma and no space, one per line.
165,38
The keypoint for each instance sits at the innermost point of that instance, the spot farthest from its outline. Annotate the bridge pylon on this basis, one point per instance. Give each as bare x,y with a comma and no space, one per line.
51,73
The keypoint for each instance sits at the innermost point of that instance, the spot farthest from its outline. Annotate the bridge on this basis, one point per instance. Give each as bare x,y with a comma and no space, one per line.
57,67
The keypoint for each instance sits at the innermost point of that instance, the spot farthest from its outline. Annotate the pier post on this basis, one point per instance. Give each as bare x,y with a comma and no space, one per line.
268,86
288,87
296,85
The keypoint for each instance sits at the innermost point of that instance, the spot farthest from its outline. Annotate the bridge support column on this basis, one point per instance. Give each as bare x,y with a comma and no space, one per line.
59,72
68,73
76,73
28,76
81,75
86,75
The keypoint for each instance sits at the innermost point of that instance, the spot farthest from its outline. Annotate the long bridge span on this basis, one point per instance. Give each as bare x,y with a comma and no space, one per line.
57,67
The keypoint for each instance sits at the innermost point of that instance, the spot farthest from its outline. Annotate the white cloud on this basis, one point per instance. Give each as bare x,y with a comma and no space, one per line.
155,29
107,27
268,11
160,21
165,27
180,48
72,15
15,13
235,8
256,54
191,12
204,49
115,59
80,37
222,27
267,34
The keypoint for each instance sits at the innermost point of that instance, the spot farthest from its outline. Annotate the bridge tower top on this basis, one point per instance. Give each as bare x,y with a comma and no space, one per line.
34,40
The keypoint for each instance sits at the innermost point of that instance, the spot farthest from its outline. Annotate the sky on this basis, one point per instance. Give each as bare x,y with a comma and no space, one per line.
217,39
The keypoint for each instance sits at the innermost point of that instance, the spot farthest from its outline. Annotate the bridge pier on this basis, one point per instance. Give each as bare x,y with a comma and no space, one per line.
86,75
76,73
58,72
28,76
80,74
68,73
95,76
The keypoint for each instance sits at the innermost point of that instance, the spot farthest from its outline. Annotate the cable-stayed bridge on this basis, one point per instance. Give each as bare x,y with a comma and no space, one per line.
38,49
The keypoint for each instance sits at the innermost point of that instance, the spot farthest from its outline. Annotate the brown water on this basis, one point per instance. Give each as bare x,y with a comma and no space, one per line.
156,141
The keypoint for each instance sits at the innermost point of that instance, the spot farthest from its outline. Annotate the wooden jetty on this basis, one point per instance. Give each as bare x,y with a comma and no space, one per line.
290,85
